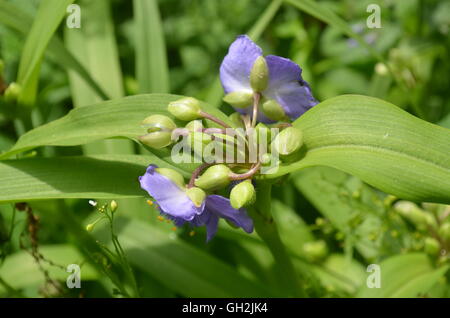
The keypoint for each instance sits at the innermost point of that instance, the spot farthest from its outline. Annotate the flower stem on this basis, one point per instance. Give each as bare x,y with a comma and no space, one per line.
256,99
214,119
197,172
246,175
266,228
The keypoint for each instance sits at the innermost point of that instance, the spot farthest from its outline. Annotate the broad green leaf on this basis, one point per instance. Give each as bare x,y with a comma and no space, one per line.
183,268
215,93
13,17
21,270
152,70
376,141
111,176
94,45
116,118
405,276
48,17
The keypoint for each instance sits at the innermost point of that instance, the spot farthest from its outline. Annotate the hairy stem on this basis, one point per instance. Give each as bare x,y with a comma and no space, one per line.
214,119
197,172
246,175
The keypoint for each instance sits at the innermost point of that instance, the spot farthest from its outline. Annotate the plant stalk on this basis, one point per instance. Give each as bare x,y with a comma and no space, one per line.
266,228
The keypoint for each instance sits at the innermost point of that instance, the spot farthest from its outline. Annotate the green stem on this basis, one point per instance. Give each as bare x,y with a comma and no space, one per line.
266,228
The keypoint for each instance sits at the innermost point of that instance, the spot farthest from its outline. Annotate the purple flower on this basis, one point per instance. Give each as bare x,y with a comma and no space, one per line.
285,86
176,205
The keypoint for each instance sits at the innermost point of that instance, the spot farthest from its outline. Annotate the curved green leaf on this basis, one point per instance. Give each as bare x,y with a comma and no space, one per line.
380,143
117,118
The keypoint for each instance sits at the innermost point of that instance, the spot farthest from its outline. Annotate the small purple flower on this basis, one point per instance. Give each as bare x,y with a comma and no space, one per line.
176,205
286,85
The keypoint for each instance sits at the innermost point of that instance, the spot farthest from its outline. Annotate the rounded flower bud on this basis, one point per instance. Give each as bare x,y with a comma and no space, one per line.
186,108
237,120
273,110
432,246
242,194
113,205
259,75
198,140
12,92
315,251
194,125
288,141
172,175
444,231
90,227
215,177
159,128
197,195
239,99
410,211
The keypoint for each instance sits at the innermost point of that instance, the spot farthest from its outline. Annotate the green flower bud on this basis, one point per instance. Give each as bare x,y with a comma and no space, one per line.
12,92
410,211
444,231
186,108
158,122
173,175
262,131
2,67
432,246
194,125
239,99
273,110
237,120
157,140
159,128
315,251
90,227
214,177
113,205
288,141
242,194
198,140
197,195
259,75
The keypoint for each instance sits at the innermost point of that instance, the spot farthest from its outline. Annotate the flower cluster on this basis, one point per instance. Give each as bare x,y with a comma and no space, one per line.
266,92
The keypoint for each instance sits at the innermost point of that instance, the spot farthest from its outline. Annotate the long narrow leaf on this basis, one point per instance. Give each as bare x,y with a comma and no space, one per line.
48,17
151,60
13,17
